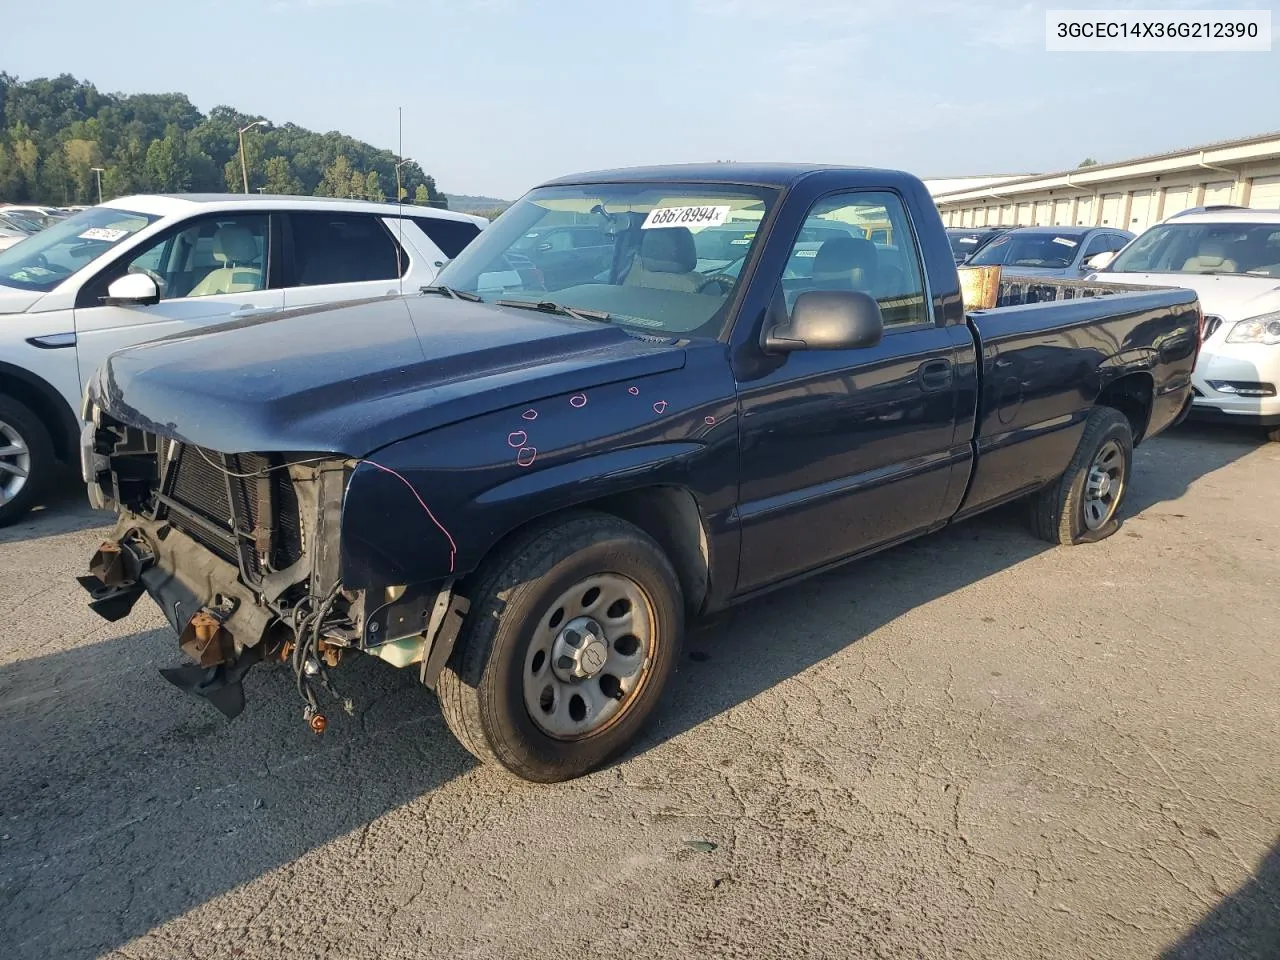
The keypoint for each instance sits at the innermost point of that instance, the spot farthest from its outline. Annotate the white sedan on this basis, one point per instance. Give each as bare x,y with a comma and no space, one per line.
1231,258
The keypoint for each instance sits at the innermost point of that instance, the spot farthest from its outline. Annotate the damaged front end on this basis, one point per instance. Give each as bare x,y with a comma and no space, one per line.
242,554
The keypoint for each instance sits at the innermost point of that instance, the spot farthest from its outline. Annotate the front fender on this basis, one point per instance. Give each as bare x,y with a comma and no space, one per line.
434,505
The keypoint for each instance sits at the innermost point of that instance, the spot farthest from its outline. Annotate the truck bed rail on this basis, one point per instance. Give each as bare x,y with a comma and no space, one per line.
984,288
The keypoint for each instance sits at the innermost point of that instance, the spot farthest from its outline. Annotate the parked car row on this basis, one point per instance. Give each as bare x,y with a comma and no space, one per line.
143,267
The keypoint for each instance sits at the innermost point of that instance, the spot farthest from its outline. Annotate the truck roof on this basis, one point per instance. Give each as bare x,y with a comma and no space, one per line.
762,174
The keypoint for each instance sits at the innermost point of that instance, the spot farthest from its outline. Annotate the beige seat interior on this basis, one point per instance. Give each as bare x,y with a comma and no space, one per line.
236,248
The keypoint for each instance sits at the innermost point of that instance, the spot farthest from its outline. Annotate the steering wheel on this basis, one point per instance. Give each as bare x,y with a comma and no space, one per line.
723,280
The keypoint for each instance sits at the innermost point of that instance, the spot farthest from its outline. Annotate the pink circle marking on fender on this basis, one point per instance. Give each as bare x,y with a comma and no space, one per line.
526,455
709,421
578,401
634,391
517,439
660,406
530,415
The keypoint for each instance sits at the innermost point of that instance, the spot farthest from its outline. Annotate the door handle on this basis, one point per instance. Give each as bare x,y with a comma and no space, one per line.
935,375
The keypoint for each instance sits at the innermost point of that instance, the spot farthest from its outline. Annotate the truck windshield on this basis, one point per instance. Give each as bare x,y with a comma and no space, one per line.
1251,249
648,255
1028,250
44,260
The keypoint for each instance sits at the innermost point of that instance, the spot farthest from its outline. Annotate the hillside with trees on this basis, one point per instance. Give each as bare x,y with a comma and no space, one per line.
54,132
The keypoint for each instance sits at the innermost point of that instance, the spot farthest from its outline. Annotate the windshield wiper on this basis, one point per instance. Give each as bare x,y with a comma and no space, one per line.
451,292
550,306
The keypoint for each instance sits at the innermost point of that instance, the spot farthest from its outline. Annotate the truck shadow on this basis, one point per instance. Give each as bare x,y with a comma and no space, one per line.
64,509
1244,926
746,650
124,803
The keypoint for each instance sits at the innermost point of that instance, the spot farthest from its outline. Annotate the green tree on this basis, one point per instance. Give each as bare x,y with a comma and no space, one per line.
1087,162
373,186
420,195
280,178
166,165
337,178
81,156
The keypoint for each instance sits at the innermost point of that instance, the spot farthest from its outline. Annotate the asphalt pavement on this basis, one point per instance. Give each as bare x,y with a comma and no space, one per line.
973,746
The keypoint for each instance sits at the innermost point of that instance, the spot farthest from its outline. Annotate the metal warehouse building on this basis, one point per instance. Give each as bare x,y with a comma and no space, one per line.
1132,195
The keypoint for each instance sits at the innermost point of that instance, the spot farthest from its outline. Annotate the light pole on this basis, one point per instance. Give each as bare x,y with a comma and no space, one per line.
244,169
98,171
398,166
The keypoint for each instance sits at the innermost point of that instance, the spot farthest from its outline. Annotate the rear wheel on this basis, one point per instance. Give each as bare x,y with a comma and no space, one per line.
573,632
1082,505
26,459
1274,434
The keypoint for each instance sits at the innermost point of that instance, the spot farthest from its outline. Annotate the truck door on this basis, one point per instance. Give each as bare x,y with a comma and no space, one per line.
844,450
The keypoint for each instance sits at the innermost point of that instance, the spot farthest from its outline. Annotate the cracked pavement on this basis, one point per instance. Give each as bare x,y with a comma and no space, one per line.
973,746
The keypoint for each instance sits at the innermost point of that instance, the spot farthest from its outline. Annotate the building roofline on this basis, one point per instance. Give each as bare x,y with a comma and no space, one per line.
1186,158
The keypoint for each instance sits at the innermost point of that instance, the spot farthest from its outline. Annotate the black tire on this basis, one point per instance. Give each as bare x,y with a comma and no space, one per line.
1058,511
17,419
481,688
1274,434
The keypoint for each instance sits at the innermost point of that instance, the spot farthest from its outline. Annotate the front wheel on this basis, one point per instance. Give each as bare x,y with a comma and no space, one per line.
573,632
1082,505
26,459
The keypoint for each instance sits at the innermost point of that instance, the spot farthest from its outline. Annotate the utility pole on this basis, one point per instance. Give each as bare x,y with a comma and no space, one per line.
244,168
98,171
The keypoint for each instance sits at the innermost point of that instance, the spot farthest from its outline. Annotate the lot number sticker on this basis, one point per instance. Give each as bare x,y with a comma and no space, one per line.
108,234
685,217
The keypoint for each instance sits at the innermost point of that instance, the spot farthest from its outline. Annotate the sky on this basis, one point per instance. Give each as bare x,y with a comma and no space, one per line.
499,95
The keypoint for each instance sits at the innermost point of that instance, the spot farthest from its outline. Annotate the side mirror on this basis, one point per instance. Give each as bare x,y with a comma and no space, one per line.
829,320
1100,260
132,290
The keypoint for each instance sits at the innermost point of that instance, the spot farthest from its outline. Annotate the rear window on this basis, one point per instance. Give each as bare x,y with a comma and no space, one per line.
451,236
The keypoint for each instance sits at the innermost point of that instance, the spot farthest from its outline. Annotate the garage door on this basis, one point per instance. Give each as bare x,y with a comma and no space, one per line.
1084,212
1140,209
1062,213
1265,194
1024,215
1176,199
1044,213
1111,206
1007,214
1219,192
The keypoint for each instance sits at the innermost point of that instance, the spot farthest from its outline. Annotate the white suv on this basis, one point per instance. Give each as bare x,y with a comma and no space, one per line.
1231,258
144,267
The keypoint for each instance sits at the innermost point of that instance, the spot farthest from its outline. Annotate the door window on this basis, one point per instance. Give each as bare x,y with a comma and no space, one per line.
343,248
860,241
212,256
1098,243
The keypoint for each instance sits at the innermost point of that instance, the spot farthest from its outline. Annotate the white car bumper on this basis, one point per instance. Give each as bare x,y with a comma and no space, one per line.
1224,370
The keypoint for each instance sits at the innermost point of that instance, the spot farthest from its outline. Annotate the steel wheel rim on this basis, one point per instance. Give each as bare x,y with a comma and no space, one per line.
608,610
1104,485
15,463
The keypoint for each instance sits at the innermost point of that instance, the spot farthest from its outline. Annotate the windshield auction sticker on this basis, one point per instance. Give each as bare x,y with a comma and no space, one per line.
109,234
685,217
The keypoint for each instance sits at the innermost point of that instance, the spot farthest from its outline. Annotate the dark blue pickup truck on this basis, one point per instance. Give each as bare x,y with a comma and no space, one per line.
521,482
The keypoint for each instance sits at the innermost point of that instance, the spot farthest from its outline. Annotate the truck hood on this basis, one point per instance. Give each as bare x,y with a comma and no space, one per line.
351,378
1230,297
13,300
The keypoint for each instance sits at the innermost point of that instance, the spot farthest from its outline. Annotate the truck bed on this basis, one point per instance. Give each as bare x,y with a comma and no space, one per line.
1049,351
